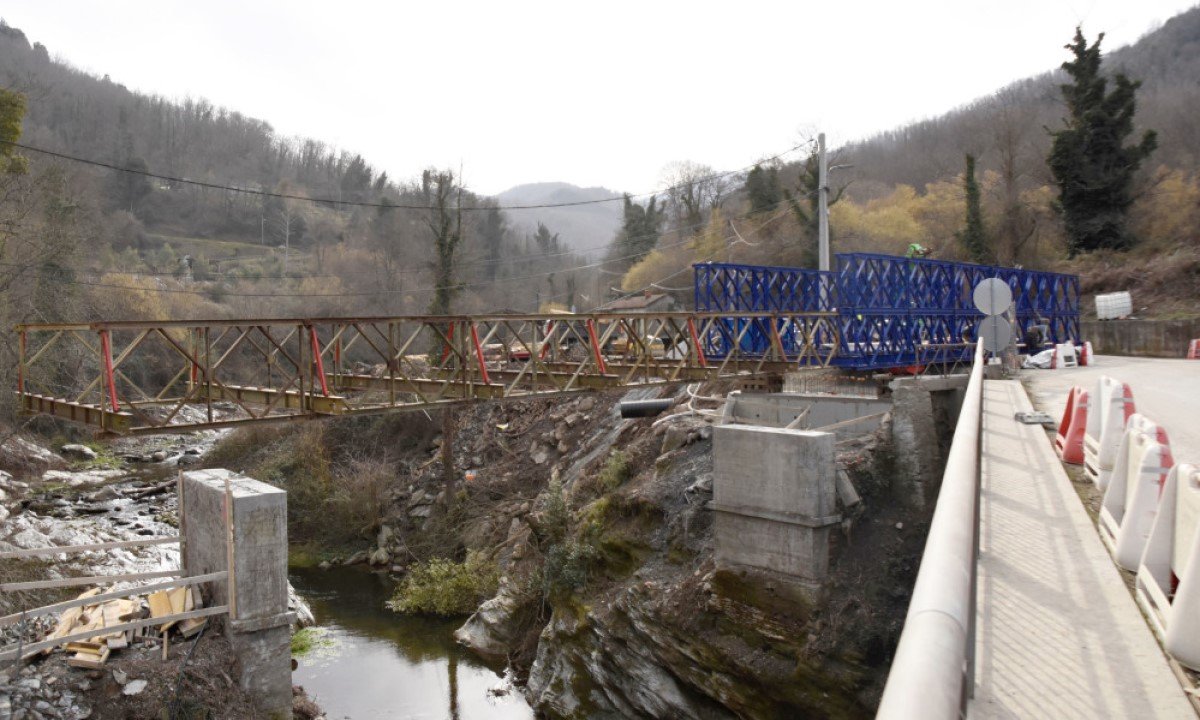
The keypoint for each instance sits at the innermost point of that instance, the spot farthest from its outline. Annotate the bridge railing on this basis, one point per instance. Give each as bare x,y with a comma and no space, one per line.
932,674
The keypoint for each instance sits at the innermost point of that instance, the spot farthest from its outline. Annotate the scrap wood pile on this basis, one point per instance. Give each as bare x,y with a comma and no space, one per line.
94,651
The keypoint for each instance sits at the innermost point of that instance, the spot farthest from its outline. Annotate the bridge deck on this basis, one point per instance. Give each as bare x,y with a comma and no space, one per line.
1058,633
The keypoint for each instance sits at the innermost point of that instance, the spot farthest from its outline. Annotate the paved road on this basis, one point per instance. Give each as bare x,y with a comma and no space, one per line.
1167,391
1058,634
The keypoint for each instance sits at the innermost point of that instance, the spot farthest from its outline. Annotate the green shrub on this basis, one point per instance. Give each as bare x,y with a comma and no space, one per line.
305,640
444,587
567,567
615,472
556,517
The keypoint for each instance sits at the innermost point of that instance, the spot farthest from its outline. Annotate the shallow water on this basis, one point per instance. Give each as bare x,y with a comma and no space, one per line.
370,662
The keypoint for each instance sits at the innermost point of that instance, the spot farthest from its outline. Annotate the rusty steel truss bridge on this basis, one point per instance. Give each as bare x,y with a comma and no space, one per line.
124,378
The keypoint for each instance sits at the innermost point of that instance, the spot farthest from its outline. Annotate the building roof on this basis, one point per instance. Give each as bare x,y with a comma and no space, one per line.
638,302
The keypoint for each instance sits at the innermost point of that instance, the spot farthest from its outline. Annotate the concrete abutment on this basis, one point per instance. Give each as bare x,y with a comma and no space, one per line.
258,625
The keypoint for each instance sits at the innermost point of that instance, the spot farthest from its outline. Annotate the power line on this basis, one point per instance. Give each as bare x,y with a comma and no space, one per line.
357,203
497,281
411,271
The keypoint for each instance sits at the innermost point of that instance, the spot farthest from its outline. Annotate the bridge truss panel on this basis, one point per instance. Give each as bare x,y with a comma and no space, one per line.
147,377
891,311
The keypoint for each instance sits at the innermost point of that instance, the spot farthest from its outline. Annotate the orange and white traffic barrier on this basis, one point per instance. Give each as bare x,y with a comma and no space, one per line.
1064,356
1131,501
1171,562
1068,442
1193,352
1085,354
1109,406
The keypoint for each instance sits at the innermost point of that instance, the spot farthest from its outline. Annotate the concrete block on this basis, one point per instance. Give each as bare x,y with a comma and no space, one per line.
259,633
774,491
914,434
260,538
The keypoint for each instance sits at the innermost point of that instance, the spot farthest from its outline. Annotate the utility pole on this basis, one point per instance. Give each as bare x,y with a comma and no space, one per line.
822,204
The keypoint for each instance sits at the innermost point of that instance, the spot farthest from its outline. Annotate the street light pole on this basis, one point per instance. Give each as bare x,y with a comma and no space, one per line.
822,204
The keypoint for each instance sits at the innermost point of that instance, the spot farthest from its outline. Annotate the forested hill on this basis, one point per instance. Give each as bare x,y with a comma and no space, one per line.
318,243
74,112
1008,128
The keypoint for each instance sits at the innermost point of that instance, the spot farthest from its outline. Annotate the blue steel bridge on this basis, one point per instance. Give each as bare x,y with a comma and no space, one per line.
887,311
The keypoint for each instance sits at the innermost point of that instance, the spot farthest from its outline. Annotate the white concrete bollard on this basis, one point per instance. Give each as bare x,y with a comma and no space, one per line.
1173,551
1108,409
1131,501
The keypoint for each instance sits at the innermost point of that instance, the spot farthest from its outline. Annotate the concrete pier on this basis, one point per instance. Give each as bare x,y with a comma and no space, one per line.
774,492
259,622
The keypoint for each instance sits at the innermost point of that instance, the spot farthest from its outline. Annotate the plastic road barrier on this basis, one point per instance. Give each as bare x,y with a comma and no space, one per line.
1109,406
1069,440
1131,501
1193,352
1064,357
1173,554
1085,354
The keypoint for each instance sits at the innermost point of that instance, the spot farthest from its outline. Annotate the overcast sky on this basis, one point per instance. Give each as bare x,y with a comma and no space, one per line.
592,93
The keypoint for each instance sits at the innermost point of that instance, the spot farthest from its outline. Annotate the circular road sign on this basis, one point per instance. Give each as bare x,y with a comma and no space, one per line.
996,333
992,296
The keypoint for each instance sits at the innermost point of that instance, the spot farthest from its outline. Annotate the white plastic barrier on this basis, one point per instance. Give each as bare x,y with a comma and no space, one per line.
1173,554
1131,501
1064,357
1108,409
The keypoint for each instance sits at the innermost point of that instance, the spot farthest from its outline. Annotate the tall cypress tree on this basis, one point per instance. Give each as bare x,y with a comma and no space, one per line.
972,235
1093,167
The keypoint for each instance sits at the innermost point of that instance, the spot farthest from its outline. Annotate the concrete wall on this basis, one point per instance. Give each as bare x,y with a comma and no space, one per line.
774,493
259,626
1145,338
779,409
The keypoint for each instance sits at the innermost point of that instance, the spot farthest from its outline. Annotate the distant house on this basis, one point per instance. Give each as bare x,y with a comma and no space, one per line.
645,303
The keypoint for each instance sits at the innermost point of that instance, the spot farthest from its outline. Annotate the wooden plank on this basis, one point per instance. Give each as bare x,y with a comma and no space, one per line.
96,597
29,552
33,648
160,604
92,580
91,661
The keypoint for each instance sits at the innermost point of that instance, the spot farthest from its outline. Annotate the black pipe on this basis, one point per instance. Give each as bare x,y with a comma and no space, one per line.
644,408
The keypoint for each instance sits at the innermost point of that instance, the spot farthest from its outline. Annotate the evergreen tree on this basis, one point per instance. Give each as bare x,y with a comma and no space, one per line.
762,188
444,199
805,204
547,242
640,227
972,236
492,233
12,111
1092,166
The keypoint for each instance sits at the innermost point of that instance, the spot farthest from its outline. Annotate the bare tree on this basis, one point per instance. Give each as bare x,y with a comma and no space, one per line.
694,190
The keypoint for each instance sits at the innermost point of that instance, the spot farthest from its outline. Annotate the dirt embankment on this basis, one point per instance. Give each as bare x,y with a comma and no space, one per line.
609,603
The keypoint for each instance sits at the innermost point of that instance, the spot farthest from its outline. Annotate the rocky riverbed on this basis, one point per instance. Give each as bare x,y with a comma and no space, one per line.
83,494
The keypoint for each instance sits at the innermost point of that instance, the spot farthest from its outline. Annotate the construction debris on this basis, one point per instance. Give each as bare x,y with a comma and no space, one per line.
93,652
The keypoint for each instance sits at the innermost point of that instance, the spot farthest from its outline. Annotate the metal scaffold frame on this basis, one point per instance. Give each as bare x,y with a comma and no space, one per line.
891,311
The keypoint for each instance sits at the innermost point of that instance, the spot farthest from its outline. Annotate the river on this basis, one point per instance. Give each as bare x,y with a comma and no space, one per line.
370,662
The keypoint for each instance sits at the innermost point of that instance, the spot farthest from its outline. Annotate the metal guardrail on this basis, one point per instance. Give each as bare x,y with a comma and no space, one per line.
933,672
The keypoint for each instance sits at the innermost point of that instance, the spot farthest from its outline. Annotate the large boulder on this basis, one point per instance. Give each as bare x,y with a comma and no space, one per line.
496,626
75,451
